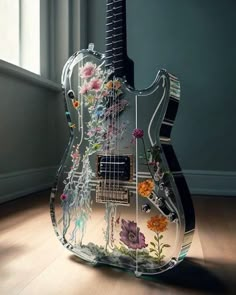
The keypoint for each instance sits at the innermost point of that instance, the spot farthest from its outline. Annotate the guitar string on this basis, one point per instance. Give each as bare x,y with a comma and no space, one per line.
112,151
104,182
117,132
105,194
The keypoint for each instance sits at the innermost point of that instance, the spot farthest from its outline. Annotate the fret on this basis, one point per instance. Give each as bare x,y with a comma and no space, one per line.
111,57
117,21
115,40
117,28
114,55
116,8
167,123
118,54
119,68
108,65
117,48
117,35
116,14
110,60
113,49
117,61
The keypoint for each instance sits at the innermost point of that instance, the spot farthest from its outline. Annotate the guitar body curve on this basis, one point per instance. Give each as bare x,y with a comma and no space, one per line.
120,197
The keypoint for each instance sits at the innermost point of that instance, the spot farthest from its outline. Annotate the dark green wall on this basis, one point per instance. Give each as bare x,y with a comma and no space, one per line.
196,41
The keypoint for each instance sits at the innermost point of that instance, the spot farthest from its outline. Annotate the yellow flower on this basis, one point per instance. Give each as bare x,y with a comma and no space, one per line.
117,84
90,99
146,187
157,223
96,146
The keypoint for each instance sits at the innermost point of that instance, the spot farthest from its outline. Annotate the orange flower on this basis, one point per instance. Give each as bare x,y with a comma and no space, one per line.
76,104
146,187
157,223
116,84
109,85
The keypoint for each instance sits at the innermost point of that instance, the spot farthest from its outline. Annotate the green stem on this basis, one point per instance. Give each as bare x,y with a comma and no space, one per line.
159,249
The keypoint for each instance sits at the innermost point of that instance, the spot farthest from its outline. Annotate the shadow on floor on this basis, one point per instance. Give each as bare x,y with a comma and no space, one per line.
191,274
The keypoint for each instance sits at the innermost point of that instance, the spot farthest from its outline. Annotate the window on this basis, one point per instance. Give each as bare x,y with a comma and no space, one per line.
20,33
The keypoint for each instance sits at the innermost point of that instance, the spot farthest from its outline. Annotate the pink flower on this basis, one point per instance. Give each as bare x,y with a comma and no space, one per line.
138,133
88,70
84,88
63,197
75,155
105,93
95,84
90,133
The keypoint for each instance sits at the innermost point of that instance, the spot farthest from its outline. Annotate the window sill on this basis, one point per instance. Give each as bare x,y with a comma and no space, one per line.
25,75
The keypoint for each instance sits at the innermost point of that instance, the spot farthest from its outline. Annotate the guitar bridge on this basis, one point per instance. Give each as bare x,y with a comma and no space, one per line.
113,194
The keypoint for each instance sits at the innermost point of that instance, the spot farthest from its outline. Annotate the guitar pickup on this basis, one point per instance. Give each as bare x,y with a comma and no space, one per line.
114,167
112,194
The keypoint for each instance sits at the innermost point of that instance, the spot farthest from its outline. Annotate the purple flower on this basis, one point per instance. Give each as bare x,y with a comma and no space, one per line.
138,133
131,236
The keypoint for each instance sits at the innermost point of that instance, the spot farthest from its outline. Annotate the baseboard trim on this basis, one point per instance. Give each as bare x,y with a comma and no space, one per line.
20,183
217,183
17,184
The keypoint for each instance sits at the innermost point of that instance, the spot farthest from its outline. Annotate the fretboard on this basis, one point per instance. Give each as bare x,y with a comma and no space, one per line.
115,45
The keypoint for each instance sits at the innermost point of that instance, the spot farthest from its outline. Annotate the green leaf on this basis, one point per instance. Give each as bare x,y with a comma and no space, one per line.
152,250
156,238
160,237
153,244
166,246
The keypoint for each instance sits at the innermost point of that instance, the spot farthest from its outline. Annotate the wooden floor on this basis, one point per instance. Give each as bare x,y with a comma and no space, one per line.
32,261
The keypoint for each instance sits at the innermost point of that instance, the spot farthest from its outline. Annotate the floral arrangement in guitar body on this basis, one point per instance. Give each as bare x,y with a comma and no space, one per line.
158,182
103,99
132,239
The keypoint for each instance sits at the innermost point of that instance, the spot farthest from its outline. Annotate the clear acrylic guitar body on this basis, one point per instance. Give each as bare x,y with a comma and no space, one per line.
120,197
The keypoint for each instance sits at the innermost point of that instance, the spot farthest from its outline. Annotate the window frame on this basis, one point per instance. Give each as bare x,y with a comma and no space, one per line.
59,38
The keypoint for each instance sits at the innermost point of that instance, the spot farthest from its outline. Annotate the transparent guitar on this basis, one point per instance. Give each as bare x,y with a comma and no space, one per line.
120,197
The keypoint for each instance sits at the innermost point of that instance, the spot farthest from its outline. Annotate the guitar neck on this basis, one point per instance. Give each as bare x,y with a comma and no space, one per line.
115,44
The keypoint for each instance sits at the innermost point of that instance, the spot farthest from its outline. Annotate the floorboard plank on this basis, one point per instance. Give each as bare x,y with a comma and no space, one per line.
33,262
